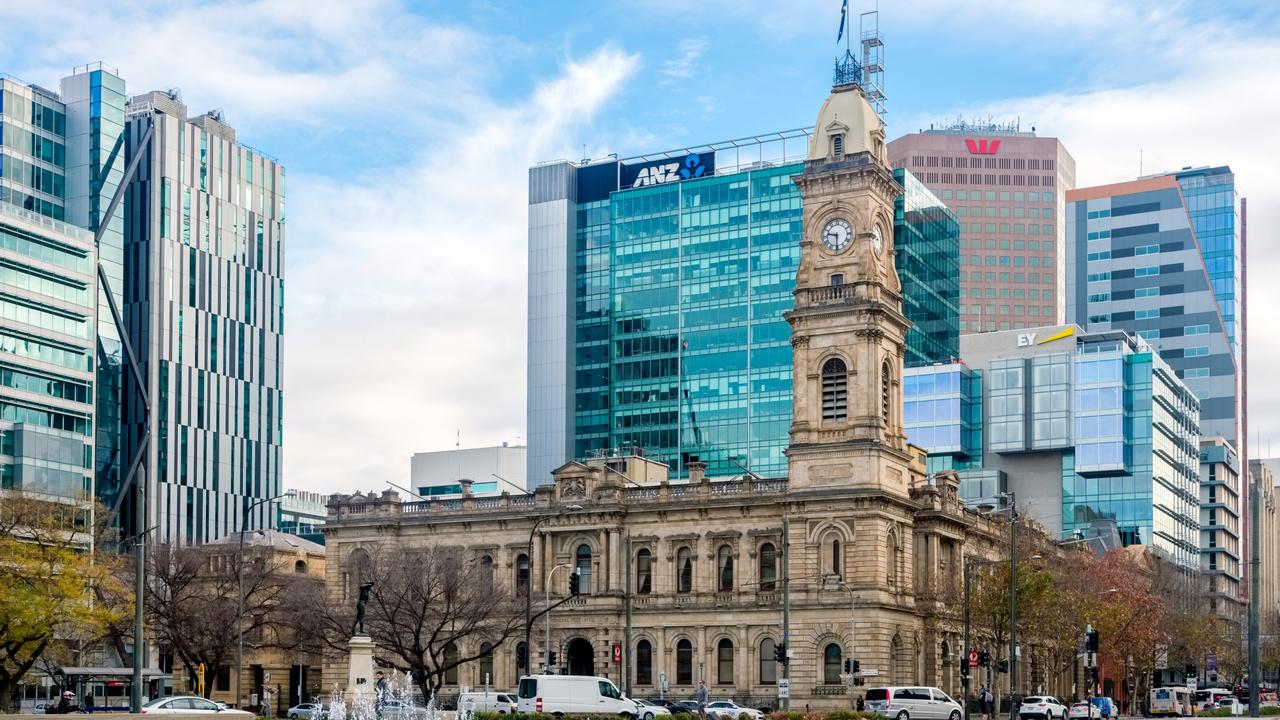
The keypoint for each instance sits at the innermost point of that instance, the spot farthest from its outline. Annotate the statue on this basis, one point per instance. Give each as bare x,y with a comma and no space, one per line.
357,628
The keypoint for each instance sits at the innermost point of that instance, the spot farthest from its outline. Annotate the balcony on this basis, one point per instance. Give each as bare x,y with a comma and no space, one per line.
823,296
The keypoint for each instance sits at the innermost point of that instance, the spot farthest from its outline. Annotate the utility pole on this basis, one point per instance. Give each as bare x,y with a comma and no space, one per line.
966,671
1255,596
626,649
786,608
1013,603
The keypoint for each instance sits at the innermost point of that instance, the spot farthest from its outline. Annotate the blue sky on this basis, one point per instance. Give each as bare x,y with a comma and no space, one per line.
407,129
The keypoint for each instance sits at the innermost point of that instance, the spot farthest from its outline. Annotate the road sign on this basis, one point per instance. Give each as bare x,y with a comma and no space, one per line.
617,653
870,672
784,689
1211,662
973,658
1191,682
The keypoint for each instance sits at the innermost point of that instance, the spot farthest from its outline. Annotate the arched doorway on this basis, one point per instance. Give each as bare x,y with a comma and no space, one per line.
582,657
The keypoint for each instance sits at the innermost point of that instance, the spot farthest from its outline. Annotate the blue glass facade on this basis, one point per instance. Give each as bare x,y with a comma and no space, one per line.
942,411
927,239
1214,207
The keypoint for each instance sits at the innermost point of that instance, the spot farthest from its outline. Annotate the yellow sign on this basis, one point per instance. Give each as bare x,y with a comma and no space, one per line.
1059,335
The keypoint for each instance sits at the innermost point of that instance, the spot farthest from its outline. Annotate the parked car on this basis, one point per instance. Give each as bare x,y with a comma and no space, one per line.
569,694
648,709
1084,711
191,705
305,711
730,709
672,706
690,706
1046,707
488,701
1106,706
905,703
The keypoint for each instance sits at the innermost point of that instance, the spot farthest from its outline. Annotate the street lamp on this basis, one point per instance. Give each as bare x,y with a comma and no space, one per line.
244,521
852,631
528,591
547,587
968,563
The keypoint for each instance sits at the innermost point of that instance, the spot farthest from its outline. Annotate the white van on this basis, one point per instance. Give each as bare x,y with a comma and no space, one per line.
487,701
570,694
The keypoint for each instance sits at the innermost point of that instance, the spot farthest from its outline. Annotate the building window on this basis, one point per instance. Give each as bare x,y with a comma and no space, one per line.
522,573
837,568
486,572
837,279
837,146
835,391
583,567
724,662
644,572
644,663
886,379
451,664
768,663
684,571
486,664
768,567
724,566
300,567
684,663
831,664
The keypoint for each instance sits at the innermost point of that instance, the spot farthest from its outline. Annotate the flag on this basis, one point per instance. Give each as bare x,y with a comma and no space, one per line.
844,11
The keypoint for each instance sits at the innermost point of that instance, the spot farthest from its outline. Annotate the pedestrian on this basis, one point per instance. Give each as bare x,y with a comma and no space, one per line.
379,692
986,700
862,705
704,696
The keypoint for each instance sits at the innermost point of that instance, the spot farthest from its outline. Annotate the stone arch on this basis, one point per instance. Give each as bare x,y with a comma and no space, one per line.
899,660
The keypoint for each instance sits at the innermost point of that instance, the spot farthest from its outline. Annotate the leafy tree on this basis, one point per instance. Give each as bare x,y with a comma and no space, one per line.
48,584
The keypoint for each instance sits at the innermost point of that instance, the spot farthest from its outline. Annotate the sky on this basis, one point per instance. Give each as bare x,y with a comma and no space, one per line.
407,130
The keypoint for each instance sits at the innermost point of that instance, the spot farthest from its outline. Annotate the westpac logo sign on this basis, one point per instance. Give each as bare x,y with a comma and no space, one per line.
982,147
694,165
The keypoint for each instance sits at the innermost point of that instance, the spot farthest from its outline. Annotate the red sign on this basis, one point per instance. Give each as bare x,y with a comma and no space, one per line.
982,147
617,654
973,658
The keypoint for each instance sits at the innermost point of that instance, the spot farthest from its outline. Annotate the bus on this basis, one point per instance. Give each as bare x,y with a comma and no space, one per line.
1172,701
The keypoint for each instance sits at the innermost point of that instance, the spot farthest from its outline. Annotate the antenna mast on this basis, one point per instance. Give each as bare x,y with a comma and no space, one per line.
872,60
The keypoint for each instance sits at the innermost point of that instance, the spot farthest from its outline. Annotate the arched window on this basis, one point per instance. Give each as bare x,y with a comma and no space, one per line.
837,566
522,573
451,662
891,558
837,147
768,663
724,566
583,566
768,567
359,570
485,676
644,663
486,571
724,662
684,571
835,390
831,664
886,379
684,663
300,567
644,572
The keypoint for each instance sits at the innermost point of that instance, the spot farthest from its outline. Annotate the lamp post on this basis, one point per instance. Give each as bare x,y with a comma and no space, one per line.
853,640
528,592
1013,601
244,521
547,587
969,563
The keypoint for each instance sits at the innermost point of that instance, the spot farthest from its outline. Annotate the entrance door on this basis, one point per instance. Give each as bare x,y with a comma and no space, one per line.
581,657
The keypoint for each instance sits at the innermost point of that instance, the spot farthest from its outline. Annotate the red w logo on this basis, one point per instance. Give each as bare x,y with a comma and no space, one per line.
983,147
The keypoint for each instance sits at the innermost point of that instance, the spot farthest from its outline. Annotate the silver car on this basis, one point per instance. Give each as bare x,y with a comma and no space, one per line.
913,703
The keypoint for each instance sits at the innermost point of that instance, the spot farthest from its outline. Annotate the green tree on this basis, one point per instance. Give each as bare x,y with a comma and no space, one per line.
48,582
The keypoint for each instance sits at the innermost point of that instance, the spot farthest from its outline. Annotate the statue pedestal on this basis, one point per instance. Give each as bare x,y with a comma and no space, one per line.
360,663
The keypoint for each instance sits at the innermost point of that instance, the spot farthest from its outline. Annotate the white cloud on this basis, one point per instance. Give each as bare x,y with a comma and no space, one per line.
407,290
684,63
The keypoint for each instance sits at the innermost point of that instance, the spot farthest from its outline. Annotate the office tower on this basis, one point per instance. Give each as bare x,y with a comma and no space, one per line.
64,159
1094,432
1007,188
1159,257
205,306
657,288
490,470
1221,529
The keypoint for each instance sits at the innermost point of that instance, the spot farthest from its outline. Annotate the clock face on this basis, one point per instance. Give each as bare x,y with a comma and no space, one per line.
837,235
877,239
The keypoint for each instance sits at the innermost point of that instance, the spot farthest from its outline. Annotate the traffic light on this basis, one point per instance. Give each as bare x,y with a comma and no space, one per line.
522,656
857,667
984,658
574,578
780,653
551,658
1004,666
1091,641
848,667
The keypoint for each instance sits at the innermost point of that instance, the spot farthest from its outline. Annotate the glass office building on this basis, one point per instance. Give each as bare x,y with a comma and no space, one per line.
658,287
1092,432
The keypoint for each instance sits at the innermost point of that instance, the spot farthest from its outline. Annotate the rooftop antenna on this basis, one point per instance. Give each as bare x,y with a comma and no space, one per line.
872,59
457,443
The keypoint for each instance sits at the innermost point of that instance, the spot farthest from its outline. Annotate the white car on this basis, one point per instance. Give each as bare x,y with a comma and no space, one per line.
1084,711
730,709
646,710
1042,706
190,705
306,711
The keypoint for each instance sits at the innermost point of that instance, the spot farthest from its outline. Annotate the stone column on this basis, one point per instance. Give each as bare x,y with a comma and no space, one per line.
617,563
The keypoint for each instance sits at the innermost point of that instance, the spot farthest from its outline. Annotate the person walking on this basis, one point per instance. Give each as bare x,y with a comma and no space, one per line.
704,696
986,701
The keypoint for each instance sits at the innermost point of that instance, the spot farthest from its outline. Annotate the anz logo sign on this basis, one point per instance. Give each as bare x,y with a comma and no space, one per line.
694,165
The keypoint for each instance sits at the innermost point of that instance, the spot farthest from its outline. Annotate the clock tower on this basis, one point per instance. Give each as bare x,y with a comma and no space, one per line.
847,329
